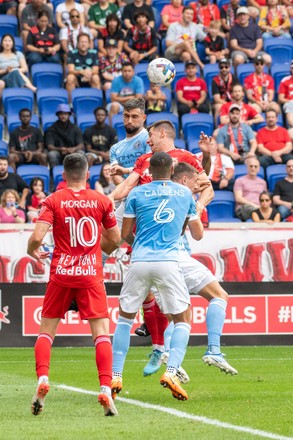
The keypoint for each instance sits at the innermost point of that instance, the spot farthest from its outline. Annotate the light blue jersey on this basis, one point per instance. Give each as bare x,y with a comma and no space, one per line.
160,209
125,152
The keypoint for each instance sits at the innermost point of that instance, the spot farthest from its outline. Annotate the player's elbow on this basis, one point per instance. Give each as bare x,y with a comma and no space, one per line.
196,230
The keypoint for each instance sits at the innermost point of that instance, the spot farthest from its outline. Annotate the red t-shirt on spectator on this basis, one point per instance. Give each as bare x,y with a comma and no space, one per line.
286,87
191,89
273,140
254,81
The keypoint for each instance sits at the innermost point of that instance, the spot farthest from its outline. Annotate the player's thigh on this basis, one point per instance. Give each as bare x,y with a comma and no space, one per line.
57,300
196,275
136,287
213,290
168,279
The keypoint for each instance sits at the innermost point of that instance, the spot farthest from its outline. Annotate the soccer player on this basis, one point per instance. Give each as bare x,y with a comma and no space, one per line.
77,216
159,209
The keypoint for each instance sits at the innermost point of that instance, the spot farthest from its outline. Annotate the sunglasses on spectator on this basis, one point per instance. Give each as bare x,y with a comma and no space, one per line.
264,200
74,16
224,67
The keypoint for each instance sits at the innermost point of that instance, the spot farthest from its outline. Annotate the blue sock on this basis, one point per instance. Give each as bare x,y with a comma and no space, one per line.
121,341
178,345
168,335
215,321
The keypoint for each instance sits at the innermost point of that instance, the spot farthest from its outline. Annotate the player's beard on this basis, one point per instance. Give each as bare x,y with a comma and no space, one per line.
132,130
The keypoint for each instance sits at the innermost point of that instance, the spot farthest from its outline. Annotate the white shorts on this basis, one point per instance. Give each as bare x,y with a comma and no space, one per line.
196,275
166,276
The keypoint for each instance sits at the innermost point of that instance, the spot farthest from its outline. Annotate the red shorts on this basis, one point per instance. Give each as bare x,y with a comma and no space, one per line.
92,302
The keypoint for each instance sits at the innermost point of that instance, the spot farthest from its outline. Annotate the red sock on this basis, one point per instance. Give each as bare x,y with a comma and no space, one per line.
104,359
43,354
162,324
149,317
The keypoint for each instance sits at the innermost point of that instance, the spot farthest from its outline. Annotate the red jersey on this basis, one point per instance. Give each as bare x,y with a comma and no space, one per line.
273,140
205,14
259,84
142,164
191,89
286,87
77,218
247,111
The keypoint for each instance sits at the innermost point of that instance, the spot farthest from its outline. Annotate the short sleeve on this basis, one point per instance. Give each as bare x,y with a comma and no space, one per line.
130,205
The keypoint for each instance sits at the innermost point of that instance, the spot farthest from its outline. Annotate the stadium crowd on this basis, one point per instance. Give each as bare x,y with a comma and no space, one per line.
68,68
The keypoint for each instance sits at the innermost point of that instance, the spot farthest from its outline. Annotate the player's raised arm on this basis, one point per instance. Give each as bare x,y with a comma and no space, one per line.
123,189
35,242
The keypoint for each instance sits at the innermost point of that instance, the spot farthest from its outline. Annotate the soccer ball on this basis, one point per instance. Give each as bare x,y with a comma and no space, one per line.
161,72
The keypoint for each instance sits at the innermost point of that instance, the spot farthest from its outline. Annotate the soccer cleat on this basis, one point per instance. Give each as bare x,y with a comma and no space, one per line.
116,386
107,403
171,381
218,361
38,401
181,373
154,363
142,330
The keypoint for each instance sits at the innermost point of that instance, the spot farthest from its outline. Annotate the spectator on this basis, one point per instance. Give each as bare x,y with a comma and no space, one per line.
26,144
82,63
181,38
274,20
111,64
266,213
222,168
246,40
29,17
254,7
23,3
205,13
247,190
285,96
273,142
105,184
214,43
8,7
63,13
141,41
283,193
222,85
191,92
236,139
9,212
12,181
260,88
155,99
99,138
68,35
137,6
63,137
248,114
125,87
43,42
98,13
170,14
228,14
112,31
35,198
13,66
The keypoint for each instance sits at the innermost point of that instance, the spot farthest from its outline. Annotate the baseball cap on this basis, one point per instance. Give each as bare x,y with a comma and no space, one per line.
190,63
259,59
111,43
224,61
234,107
63,108
242,10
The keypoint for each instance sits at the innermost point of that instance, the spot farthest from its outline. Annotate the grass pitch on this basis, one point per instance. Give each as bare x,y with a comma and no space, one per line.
259,398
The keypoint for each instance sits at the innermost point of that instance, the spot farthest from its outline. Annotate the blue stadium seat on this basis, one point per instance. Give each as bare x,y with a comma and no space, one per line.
57,174
193,146
221,3
8,25
18,44
222,207
241,170
153,117
194,124
275,173
118,124
95,172
140,70
48,100
159,4
14,99
201,52
86,100
85,120
3,148
180,143
209,72
47,75
158,22
1,125
280,49
278,72
28,172
14,122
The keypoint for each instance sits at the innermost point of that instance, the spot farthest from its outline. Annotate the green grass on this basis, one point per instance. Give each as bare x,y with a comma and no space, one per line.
260,397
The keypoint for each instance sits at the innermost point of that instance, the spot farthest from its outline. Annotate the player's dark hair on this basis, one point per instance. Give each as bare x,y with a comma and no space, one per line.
24,110
83,34
270,111
43,13
36,180
101,108
139,13
4,158
186,8
75,166
160,165
127,64
183,169
166,125
135,103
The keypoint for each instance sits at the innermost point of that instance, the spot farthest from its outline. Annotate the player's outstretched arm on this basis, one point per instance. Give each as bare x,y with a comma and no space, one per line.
127,229
123,189
112,235
206,190
204,144
35,242
196,229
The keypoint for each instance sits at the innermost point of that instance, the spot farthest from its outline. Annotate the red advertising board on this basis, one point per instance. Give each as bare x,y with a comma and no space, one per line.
246,315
